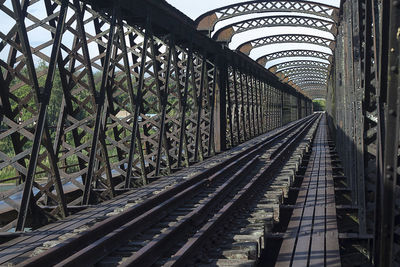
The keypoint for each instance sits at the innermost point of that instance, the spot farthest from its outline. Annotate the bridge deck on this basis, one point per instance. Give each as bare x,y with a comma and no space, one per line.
21,248
311,238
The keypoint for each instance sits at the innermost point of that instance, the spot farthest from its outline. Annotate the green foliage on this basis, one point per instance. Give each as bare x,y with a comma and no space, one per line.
22,91
319,105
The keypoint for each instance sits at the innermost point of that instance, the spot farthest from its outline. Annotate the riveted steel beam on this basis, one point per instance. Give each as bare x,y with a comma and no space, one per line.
310,81
307,75
293,53
208,20
296,70
248,46
226,33
297,63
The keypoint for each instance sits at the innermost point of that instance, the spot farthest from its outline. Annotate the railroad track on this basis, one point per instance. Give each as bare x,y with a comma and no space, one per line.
169,228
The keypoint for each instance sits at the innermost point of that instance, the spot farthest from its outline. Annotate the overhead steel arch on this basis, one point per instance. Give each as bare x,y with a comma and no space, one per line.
301,82
300,70
294,53
298,63
296,70
311,81
247,47
304,81
308,75
296,74
226,33
208,20
313,87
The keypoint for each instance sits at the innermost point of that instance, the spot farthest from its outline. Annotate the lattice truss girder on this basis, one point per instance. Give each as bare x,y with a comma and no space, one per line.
98,106
111,83
208,20
304,70
252,107
296,53
302,81
302,76
313,15
225,34
247,47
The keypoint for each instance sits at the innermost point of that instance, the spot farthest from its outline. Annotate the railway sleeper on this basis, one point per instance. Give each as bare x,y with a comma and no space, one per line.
247,236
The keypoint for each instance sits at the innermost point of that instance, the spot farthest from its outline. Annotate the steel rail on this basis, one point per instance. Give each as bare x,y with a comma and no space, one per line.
247,192
151,206
154,250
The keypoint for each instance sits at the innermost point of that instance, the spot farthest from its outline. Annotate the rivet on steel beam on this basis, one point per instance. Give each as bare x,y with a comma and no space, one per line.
396,3
389,168
393,69
392,112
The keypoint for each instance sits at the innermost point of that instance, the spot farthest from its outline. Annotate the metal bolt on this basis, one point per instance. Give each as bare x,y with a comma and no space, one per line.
388,176
393,69
389,168
396,3
392,112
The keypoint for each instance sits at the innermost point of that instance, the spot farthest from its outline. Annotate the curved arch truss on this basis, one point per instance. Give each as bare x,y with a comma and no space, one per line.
208,20
301,82
305,66
299,63
294,53
285,38
307,76
226,33
305,70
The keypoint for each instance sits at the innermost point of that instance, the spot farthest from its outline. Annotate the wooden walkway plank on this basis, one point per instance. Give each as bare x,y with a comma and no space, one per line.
301,256
317,251
312,236
288,244
332,235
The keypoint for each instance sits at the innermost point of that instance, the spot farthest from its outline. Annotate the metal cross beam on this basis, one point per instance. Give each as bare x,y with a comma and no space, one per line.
294,53
226,33
298,63
208,20
248,46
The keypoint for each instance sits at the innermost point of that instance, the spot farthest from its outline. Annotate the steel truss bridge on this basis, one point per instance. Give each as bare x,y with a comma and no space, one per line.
98,98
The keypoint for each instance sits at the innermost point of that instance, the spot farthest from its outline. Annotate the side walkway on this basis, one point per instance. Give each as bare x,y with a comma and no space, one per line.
311,238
